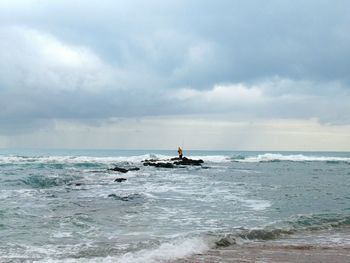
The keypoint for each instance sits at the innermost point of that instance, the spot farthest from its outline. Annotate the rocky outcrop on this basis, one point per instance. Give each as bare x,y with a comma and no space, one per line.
159,164
162,163
187,161
123,170
173,162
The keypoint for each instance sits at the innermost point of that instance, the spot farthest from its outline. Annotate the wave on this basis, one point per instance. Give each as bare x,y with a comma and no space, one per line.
58,162
300,224
128,197
166,252
184,247
69,159
319,222
91,161
41,181
276,157
213,158
82,161
253,234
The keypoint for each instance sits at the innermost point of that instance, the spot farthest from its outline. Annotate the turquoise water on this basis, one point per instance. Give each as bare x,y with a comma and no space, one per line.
64,206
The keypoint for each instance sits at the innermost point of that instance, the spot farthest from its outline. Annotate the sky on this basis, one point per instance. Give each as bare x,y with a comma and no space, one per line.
152,74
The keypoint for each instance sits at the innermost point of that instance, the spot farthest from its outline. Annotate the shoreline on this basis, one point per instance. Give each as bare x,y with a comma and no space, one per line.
271,253
321,246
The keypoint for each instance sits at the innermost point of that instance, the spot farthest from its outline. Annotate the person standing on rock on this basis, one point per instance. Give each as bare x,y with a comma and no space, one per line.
179,150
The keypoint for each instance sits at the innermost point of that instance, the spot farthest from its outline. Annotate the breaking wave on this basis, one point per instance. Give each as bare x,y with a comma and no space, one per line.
165,252
319,222
71,159
299,224
91,162
276,157
41,181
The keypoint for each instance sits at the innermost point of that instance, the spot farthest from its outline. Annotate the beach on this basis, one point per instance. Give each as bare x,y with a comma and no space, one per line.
296,249
276,254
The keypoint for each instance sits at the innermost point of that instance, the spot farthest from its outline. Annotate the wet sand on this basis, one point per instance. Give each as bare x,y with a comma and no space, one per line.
269,254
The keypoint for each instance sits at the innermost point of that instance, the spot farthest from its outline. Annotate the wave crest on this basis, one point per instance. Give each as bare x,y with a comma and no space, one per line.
40,181
300,224
276,157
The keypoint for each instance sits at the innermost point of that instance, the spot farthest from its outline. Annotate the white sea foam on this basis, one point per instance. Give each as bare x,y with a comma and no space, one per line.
76,159
166,252
11,193
213,158
101,160
163,253
268,157
257,205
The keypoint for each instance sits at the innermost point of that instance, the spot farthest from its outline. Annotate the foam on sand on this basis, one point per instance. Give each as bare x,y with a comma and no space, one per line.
166,252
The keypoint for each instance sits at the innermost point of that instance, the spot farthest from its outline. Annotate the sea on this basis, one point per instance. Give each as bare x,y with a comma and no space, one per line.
65,205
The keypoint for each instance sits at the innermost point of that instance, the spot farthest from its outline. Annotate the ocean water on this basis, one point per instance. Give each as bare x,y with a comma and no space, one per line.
64,206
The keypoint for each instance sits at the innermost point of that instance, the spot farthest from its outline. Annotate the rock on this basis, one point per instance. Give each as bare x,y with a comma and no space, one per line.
225,242
119,169
186,161
131,197
173,162
123,170
119,180
159,164
134,169
150,160
75,184
121,198
176,159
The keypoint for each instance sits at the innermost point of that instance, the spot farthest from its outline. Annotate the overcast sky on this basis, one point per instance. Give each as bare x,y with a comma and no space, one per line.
234,75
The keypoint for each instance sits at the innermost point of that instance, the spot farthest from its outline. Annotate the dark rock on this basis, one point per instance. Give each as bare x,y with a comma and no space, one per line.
187,161
159,164
176,159
132,197
225,242
123,170
173,162
134,169
121,198
165,165
75,184
119,169
119,180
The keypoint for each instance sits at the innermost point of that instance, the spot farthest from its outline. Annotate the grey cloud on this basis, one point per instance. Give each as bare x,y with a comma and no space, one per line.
272,99
251,39
131,56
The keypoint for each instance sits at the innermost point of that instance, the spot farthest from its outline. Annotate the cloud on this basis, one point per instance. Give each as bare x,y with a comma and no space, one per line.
238,93
272,98
31,59
43,78
201,44
115,59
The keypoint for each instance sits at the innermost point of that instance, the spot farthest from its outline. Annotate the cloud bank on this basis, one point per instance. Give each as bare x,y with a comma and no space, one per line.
228,60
